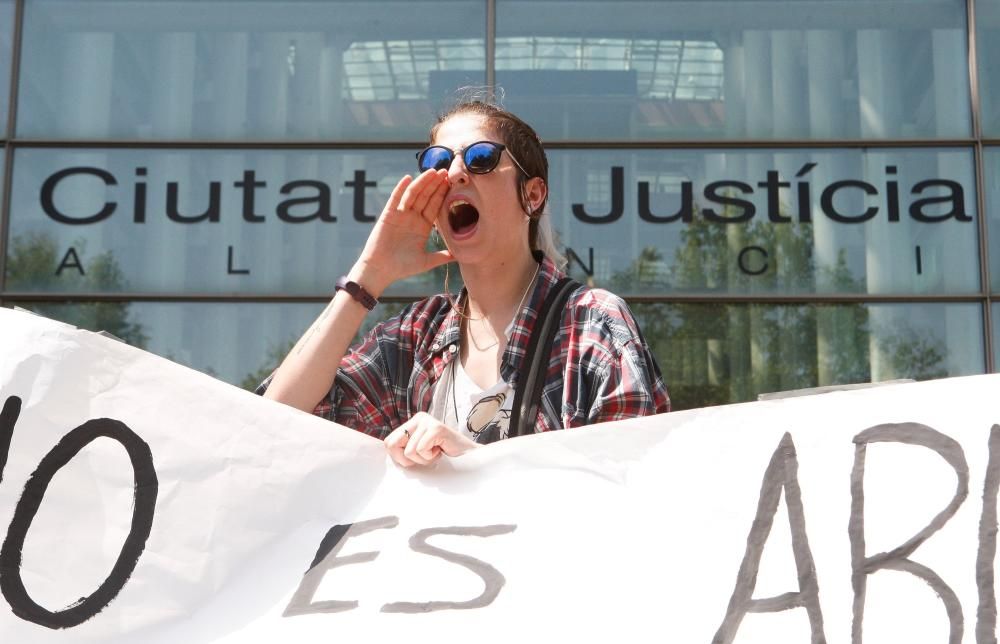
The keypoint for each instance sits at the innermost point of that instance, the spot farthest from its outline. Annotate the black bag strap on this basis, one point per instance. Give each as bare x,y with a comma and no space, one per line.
531,380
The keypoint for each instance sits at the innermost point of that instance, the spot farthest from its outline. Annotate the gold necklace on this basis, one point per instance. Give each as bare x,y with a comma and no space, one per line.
472,338
496,339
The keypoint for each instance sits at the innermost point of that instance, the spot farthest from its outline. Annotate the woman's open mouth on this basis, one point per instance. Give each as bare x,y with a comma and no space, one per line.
463,218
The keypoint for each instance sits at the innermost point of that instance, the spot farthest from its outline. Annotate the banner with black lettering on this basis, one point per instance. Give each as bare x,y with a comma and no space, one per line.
142,501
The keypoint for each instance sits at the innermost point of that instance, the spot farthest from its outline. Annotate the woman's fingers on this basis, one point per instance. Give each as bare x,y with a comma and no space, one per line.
395,443
456,444
423,439
398,241
421,449
397,192
420,440
417,193
434,203
404,441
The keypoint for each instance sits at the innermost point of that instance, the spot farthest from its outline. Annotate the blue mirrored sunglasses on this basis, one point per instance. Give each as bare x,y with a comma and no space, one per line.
479,157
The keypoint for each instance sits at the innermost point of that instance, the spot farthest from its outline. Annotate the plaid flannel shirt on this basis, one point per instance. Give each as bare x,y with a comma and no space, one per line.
600,368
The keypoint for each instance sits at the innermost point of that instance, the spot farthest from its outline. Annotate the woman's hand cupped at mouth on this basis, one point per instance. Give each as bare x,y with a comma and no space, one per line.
397,245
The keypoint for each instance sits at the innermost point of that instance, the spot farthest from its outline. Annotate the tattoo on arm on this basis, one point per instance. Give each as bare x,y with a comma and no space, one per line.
313,329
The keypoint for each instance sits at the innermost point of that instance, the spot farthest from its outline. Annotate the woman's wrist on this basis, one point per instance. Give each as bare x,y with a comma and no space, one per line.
369,277
357,292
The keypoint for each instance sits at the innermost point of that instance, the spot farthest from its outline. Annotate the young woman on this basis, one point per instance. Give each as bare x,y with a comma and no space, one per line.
440,377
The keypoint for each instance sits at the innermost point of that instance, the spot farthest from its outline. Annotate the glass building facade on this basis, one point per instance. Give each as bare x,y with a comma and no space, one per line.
789,193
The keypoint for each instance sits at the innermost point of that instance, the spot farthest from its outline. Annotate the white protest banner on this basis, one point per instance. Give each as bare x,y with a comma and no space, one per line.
143,502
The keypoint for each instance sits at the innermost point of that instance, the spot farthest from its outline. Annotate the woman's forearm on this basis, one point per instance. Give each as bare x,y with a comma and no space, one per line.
396,248
307,372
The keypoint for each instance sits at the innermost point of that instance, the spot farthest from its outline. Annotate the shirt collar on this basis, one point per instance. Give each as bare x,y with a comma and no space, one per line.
450,331
524,321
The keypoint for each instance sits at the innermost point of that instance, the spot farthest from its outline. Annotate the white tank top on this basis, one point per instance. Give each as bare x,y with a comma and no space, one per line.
456,396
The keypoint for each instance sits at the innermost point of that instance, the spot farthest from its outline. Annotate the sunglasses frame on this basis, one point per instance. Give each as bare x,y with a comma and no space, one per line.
461,152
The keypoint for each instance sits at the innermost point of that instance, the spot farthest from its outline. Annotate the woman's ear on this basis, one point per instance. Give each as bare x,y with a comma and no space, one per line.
535,190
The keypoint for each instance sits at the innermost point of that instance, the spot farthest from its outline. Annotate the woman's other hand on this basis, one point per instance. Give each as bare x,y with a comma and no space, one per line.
423,439
397,245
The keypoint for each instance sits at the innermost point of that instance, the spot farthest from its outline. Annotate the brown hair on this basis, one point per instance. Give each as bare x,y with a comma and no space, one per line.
523,144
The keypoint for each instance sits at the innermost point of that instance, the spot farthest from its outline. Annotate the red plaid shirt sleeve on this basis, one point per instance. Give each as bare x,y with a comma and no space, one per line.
364,395
627,389
361,392
610,372
367,394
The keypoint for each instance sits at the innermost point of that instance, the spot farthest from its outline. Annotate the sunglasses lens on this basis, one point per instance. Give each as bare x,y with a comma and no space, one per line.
481,157
435,158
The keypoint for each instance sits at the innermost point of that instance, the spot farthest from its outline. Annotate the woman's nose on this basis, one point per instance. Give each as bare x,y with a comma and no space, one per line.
457,172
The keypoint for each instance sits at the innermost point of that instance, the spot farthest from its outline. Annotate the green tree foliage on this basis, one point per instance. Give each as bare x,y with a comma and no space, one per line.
274,357
32,263
915,354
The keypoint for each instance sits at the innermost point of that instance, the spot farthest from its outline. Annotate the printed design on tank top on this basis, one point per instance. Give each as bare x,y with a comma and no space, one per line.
488,421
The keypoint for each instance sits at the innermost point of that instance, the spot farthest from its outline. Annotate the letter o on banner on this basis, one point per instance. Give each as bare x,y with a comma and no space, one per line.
144,505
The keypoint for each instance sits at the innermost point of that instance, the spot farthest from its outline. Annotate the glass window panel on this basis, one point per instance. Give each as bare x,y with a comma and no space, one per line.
197,221
987,53
996,336
722,353
991,175
6,42
239,343
822,69
656,222
161,69
642,222
709,353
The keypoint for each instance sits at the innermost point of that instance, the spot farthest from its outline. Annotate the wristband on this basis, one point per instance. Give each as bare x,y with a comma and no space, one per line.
357,292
